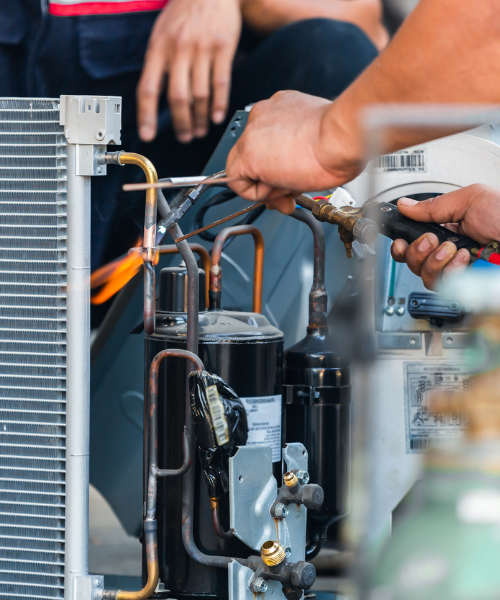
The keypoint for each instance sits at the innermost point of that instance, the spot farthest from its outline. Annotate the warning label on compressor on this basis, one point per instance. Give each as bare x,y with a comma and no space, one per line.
264,422
423,425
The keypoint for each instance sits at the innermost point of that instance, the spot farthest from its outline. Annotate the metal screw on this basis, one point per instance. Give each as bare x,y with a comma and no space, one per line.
413,341
453,239
389,311
449,340
288,552
303,477
400,311
386,209
280,511
259,586
494,244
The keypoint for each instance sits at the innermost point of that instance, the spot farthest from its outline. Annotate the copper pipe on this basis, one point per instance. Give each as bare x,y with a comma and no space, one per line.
201,251
318,298
130,158
150,524
220,221
258,270
225,535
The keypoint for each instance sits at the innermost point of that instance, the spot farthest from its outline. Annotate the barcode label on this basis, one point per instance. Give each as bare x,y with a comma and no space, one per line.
413,160
219,420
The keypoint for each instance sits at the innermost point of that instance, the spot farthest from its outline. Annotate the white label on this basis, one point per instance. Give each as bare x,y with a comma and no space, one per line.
219,420
412,160
264,422
423,425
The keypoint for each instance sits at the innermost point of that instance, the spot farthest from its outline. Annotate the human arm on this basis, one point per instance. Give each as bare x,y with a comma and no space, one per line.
473,211
445,52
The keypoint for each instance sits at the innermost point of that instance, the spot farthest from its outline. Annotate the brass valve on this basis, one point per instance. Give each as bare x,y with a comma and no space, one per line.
272,553
351,223
290,479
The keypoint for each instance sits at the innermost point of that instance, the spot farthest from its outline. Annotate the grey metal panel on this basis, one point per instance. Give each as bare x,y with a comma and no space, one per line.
32,349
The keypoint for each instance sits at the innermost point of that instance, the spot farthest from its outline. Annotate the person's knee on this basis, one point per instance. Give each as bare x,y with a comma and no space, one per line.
333,52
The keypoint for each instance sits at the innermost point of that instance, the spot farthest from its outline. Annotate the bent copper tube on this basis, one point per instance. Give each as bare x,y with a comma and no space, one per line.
225,535
201,251
150,524
130,158
188,481
258,270
318,298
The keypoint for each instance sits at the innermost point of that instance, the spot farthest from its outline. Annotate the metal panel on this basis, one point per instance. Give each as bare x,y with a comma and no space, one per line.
32,349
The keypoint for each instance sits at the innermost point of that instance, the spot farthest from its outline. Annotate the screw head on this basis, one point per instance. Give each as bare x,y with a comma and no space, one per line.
400,311
303,477
259,586
389,311
280,511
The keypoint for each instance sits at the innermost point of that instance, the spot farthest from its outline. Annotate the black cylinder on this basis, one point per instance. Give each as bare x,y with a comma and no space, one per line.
247,352
317,406
173,289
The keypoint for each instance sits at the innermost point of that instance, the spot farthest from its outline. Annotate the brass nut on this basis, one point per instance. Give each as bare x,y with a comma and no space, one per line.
272,553
290,479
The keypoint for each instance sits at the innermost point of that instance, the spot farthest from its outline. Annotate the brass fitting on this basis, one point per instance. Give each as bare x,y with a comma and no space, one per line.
290,479
272,553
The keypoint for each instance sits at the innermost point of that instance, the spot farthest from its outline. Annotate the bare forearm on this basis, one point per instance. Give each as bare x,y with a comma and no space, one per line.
266,16
446,52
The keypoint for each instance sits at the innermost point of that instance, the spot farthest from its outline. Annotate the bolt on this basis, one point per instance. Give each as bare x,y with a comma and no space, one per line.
259,586
280,511
494,245
303,477
400,311
389,311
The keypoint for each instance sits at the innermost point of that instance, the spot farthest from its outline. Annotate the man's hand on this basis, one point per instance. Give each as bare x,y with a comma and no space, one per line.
473,211
194,42
287,148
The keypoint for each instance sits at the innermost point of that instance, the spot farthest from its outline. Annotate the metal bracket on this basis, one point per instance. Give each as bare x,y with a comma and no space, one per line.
89,587
90,123
239,577
252,492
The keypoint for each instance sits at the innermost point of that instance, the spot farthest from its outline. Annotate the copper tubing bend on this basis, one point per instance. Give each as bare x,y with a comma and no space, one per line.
201,251
225,535
258,270
150,524
130,158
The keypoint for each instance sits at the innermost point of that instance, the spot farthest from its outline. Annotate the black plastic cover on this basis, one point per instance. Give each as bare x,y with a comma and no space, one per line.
220,424
428,305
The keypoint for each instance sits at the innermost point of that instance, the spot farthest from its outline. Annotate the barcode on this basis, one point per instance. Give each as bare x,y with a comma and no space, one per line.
419,444
400,161
218,417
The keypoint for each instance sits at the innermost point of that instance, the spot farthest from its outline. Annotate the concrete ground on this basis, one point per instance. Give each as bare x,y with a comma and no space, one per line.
111,550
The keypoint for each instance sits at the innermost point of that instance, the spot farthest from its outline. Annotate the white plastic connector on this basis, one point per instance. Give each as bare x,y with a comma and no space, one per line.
340,198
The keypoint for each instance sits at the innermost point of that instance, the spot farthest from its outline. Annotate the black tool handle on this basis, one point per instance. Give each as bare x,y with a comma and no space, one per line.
395,226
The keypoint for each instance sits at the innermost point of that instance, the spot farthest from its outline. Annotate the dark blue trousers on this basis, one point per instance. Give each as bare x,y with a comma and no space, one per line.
103,55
